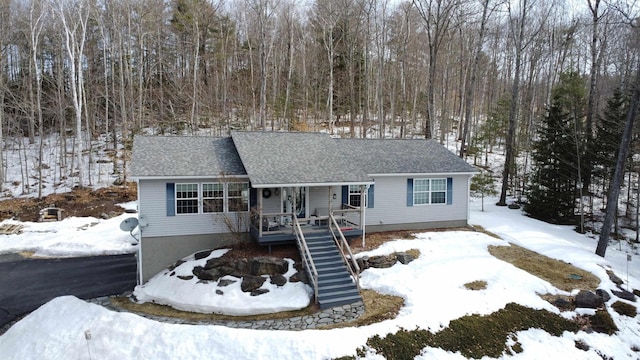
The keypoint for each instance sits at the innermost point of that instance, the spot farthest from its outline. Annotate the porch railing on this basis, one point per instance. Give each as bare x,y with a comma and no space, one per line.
306,256
345,250
270,222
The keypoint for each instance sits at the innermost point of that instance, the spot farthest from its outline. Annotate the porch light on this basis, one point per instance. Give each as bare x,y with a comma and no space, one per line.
334,196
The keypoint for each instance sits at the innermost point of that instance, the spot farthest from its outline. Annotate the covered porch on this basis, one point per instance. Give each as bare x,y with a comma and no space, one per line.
276,210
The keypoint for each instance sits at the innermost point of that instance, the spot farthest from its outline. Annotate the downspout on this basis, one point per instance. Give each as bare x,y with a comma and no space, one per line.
259,205
362,210
139,252
468,198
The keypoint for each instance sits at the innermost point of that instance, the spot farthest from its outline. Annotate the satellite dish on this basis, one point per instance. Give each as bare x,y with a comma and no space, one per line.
129,224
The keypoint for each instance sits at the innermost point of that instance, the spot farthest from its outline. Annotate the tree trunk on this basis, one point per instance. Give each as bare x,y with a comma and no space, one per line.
618,176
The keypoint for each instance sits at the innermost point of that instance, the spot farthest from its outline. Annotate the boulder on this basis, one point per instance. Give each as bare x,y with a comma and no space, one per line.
300,276
176,264
259,292
185,277
382,261
202,254
268,266
404,258
603,294
225,282
613,277
278,279
203,274
562,304
216,262
219,292
363,263
587,299
251,283
623,294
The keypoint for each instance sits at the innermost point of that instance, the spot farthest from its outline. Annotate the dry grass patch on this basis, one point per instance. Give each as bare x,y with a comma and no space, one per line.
476,285
378,307
558,273
167,311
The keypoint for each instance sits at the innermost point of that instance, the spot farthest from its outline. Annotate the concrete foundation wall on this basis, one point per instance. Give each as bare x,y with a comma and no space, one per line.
160,252
416,226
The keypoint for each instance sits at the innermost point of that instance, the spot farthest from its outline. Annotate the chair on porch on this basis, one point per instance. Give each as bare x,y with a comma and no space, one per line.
269,225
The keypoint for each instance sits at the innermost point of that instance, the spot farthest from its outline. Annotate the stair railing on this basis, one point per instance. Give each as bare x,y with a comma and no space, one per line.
345,250
306,255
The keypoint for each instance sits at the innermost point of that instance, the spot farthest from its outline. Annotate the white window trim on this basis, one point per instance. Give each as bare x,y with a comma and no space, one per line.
200,198
429,192
227,197
212,198
176,199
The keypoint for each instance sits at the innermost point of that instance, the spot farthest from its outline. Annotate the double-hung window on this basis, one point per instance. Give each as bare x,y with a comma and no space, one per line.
355,196
429,191
213,198
238,197
187,198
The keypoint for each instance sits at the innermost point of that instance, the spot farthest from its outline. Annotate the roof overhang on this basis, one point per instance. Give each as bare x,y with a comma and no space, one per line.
263,186
424,174
183,177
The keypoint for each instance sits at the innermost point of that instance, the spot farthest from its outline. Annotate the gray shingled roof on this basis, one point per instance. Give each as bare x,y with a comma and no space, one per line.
166,156
402,156
273,158
294,158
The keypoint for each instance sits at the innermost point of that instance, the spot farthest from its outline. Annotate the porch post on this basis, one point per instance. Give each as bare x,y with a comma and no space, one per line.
259,193
362,210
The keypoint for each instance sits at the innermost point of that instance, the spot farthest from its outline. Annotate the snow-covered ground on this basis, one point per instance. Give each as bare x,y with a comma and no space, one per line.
73,236
433,288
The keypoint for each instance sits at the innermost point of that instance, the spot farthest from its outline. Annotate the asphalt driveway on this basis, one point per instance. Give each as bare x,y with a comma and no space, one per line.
25,284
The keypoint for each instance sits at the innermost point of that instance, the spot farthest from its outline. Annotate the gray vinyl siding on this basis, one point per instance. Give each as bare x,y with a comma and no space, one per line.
319,197
391,203
273,204
152,205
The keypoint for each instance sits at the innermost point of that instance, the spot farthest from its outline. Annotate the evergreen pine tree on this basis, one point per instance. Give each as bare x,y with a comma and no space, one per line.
608,134
551,196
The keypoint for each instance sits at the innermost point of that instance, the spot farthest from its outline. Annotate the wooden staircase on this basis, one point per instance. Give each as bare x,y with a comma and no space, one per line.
335,285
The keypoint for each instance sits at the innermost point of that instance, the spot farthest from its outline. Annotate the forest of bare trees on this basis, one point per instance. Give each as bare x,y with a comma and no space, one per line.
481,70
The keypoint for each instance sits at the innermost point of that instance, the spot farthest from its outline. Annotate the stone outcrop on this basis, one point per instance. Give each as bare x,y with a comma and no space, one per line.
384,261
588,299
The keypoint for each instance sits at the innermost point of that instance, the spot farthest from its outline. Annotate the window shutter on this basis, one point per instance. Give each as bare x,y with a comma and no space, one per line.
409,192
345,195
449,191
370,193
171,199
253,197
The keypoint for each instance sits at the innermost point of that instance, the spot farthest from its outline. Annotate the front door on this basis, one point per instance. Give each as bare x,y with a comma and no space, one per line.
295,200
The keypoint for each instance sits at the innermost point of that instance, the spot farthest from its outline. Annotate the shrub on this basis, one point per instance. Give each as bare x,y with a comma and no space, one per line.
623,308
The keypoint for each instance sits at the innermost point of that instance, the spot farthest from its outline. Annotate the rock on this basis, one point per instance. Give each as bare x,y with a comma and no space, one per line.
225,282
613,277
176,264
203,274
513,206
623,294
219,292
202,254
185,277
587,299
278,279
242,266
363,263
300,276
259,292
251,283
562,304
382,261
603,294
215,262
404,258
268,266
